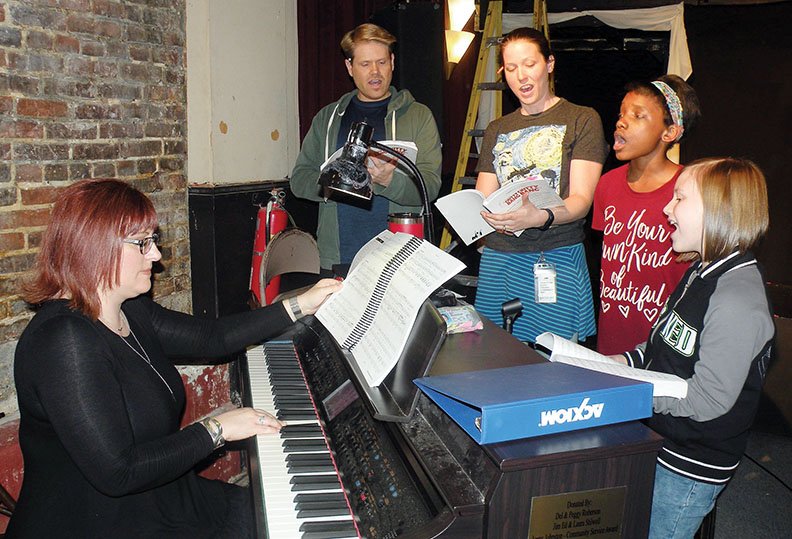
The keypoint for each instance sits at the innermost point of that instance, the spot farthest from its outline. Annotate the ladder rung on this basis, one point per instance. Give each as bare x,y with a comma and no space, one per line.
476,133
494,41
467,180
492,86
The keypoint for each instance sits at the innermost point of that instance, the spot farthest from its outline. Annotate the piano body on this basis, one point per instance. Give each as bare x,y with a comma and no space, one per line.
406,469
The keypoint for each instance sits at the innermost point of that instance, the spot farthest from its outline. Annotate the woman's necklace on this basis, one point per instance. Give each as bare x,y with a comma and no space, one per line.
144,356
118,330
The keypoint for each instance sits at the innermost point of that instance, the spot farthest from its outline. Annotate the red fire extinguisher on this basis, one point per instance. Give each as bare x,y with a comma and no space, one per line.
270,220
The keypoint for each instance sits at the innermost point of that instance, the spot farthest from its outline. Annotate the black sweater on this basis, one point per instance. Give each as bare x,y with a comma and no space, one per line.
715,332
99,430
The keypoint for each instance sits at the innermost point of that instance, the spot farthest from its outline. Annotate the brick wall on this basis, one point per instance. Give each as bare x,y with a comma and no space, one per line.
90,88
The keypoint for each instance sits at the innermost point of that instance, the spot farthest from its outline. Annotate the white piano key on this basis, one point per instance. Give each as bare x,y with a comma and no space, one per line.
275,486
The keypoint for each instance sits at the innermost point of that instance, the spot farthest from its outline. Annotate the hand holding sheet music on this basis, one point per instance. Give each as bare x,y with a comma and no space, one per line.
373,314
565,351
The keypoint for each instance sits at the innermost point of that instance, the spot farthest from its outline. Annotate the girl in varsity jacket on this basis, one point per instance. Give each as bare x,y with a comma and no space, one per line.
716,332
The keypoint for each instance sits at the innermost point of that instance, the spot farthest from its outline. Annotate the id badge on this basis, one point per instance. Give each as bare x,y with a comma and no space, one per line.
544,281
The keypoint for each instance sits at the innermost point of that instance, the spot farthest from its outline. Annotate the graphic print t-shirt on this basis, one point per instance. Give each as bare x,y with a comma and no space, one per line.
517,146
639,268
531,152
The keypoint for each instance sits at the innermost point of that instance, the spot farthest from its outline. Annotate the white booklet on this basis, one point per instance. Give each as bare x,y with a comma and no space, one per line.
373,314
565,351
462,208
405,147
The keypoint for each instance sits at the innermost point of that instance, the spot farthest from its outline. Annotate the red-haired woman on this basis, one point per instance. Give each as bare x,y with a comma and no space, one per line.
99,397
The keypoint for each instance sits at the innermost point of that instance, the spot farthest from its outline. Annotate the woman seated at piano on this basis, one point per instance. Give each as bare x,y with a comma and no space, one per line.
99,396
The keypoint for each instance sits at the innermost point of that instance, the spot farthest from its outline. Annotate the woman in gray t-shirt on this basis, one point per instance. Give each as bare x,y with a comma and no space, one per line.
563,143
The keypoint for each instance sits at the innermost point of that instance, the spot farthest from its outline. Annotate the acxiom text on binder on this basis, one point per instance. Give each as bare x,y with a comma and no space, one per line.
583,412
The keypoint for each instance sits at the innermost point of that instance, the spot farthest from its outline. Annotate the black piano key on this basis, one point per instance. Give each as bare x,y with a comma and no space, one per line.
295,445
301,435
327,535
295,415
317,497
297,409
328,530
313,482
293,391
284,365
289,401
322,512
323,505
317,433
309,467
293,398
290,395
287,383
311,462
310,458
293,405
277,372
286,377
300,431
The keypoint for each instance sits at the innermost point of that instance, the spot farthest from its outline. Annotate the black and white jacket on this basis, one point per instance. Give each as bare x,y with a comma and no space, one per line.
716,331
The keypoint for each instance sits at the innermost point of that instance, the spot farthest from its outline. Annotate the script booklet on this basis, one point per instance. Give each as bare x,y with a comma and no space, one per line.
462,208
373,314
565,351
405,147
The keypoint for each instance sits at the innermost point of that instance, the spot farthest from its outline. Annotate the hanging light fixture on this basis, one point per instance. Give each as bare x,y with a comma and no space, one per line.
457,40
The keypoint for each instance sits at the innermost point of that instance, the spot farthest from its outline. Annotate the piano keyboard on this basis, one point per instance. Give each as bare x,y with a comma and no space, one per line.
302,495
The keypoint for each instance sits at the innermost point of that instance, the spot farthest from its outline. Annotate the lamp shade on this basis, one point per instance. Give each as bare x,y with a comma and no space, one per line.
457,43
459,12
348,173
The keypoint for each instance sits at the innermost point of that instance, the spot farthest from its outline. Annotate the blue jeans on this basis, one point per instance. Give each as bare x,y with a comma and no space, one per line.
679,505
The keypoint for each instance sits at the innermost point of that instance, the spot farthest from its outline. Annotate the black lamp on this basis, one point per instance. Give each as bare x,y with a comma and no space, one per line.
348,173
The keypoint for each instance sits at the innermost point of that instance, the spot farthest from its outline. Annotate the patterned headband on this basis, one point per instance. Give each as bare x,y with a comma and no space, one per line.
674,105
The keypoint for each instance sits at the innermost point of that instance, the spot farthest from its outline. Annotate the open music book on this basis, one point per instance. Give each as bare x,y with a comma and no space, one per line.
565,351
462,208
388,282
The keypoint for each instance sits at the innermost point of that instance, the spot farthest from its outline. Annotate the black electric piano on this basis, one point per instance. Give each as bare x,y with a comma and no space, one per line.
386,462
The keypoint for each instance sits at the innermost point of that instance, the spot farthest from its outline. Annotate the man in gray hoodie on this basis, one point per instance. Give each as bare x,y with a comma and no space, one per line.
347,223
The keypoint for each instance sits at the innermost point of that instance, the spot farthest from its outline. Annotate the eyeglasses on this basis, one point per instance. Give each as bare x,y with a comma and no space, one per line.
145,244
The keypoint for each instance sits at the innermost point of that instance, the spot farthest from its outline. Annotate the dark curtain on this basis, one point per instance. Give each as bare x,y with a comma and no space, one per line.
322,75
742,58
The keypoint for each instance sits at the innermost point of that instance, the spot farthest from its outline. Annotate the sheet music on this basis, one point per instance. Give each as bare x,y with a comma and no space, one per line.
564,347
373,314
565,351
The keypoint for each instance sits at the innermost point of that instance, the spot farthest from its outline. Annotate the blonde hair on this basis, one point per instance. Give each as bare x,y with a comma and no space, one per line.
366,32
736,213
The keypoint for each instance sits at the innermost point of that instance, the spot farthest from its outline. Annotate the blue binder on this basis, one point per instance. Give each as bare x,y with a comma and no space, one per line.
498,405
